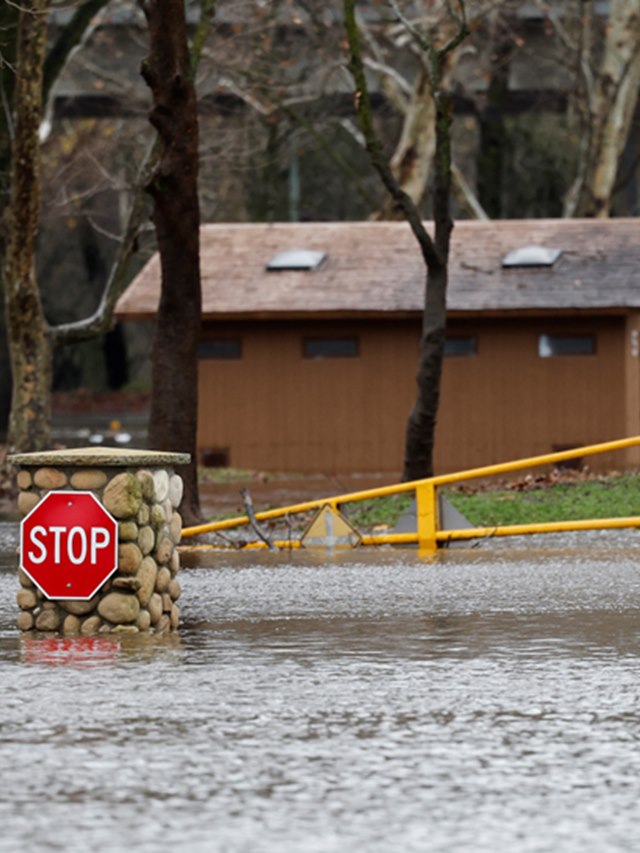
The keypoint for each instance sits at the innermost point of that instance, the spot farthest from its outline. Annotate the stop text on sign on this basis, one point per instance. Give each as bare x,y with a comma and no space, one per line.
69,545
72,543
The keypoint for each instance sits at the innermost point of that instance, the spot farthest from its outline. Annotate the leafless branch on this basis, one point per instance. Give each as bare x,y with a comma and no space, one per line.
374,148
393,84
465,195
576,48
110,235
423,43
248,505
353,131
102,319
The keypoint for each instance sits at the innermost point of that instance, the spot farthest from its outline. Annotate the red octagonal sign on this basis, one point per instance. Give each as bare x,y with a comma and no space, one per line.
69,545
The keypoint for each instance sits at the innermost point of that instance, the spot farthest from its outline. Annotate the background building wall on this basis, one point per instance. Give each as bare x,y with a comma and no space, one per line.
274,409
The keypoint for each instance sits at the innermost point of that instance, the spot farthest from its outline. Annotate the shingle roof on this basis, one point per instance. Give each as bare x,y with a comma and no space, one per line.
376,268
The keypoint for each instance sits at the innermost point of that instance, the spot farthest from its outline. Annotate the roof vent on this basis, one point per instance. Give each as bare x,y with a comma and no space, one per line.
296,259
531,256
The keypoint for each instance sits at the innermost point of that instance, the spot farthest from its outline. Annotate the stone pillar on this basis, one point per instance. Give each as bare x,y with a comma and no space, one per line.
140,489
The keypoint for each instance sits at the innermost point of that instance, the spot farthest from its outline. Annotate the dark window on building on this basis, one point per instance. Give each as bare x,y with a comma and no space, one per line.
459,345
555,345
220,348
330,347
214,457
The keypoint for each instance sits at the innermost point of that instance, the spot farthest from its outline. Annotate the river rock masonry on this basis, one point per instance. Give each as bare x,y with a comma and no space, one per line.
142,492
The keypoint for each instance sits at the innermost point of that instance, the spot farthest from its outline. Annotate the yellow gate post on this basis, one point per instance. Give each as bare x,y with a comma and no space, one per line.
427,522
427,533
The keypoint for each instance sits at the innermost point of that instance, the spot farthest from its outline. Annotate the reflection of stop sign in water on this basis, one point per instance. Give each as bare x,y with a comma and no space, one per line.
69,545
74,651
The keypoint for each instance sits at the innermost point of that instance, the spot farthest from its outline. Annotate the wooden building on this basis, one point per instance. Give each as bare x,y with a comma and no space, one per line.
310,340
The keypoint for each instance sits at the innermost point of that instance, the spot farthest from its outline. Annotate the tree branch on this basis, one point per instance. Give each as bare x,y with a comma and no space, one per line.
575,47
424,44
373,145
427,46
460,36
102,320
393,84
331,153
465,195
207,11
71,37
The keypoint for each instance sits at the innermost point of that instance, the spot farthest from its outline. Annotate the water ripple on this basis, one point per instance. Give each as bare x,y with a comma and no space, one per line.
486,702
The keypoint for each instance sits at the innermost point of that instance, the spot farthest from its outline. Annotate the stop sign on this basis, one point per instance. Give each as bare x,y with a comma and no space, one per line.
69,545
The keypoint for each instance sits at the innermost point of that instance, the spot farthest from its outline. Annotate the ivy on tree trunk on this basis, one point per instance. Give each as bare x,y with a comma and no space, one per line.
176,216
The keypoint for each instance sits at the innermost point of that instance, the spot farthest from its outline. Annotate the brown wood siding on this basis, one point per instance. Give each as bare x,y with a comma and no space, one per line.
273,409
507,402
632,384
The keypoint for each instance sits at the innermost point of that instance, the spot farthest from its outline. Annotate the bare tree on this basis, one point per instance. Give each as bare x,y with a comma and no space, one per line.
31,338
411,97
420,434
102,319
173,186
604,54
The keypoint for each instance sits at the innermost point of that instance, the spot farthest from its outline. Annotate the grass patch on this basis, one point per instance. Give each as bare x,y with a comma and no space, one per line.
224,475
377,512
540,500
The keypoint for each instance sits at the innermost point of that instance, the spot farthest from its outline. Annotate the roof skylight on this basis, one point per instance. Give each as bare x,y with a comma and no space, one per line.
296,259
531,256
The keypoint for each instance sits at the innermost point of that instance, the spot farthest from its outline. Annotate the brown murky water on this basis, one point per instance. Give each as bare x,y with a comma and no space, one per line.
487,701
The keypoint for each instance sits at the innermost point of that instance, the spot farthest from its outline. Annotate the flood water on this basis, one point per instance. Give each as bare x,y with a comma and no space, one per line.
486,701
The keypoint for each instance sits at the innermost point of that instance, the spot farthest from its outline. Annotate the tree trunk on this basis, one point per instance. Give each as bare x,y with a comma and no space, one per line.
421,424
493,137
8,47
173,187
29,342
9,18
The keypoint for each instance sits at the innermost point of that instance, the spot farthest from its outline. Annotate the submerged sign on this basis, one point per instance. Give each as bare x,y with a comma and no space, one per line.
329,528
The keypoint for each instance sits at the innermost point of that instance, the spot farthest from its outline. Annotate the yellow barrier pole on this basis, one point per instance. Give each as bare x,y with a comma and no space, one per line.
444,536
426,517
539,527
442,479
534,461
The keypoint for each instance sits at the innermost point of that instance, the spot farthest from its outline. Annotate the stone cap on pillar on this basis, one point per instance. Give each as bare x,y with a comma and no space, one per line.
115,457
